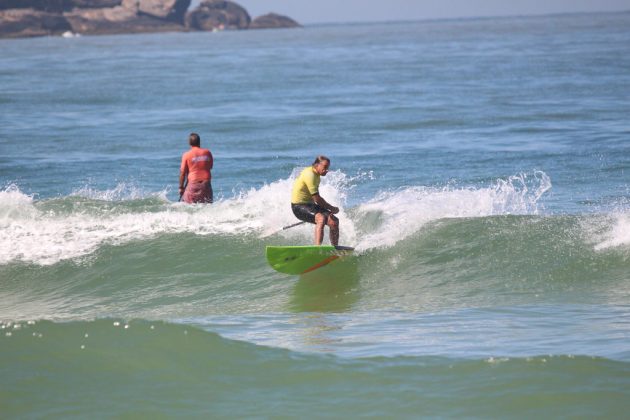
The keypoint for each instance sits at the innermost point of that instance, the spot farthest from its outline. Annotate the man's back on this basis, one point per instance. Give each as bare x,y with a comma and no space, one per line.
199,162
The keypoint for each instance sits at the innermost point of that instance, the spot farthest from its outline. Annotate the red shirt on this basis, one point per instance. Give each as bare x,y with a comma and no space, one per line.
198,163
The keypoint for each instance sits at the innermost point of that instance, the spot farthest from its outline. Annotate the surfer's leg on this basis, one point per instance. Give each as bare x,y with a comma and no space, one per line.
333,225
320,221
186,198
304,212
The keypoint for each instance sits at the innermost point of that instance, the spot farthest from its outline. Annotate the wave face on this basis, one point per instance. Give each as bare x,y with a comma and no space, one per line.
92,255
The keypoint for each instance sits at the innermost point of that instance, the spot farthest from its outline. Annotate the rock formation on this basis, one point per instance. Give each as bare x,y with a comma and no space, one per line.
18,23
23,18
57,6
50,6
170,10
129,17
218,14
272,20
114,20
95,4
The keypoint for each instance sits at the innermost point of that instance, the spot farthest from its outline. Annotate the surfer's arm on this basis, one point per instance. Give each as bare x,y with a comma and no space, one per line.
183,173
319,200
182,179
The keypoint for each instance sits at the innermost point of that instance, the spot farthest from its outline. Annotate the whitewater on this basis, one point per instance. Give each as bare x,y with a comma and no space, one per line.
48,231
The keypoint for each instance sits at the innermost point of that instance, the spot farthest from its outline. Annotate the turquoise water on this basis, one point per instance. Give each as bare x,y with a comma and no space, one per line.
482,168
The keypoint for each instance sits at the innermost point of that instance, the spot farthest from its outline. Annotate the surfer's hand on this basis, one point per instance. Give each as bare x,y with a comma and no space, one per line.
334,210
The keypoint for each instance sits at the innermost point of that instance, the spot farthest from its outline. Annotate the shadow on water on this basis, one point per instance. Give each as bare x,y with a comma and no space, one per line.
332,288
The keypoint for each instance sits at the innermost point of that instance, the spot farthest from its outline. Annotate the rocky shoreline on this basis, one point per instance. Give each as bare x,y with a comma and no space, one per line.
31,18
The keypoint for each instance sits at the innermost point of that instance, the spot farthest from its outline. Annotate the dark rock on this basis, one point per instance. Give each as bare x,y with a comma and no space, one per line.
17,23
51,6
218,14
117,20
158,8
98,21
95,4
272,20
171,10
20,18
132,16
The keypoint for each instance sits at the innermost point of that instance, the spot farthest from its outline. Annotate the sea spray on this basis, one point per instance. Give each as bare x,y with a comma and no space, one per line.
41,233
618,233
398,214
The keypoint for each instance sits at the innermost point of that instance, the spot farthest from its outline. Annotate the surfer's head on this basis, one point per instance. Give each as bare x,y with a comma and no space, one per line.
321,165
194,139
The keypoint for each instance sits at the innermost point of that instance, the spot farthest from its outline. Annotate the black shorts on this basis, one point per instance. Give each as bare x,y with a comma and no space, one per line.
307,212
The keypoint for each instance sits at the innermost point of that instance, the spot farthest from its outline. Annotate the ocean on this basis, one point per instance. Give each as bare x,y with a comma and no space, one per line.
482,168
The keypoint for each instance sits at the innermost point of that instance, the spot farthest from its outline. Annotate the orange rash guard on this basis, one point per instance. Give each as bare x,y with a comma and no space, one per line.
199,162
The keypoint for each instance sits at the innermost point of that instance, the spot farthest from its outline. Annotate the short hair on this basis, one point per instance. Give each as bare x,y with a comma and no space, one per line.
194,139
320,159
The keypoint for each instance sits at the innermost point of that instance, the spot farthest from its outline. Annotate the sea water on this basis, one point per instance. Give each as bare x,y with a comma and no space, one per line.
482,168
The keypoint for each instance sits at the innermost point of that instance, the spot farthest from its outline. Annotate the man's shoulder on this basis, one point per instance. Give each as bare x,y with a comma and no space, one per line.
203,152
310,176
196,152
308,171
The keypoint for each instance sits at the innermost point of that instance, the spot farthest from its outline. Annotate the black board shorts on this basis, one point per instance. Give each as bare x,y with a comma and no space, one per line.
306,212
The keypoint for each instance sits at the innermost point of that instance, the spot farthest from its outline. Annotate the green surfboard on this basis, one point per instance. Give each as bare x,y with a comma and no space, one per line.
304,259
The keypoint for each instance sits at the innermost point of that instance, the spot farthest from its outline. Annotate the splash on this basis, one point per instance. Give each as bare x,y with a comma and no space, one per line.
393,216
45,232
39,232
13,203
123,191
618,235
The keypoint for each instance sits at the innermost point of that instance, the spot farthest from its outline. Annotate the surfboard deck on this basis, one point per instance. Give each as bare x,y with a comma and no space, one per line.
304,259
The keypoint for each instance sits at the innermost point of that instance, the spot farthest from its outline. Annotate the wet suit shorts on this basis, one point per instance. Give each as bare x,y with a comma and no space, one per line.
306,212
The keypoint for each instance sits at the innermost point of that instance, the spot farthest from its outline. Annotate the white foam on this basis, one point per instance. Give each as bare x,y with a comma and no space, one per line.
619,233
404,212
123,191
70,34
14,203
31,232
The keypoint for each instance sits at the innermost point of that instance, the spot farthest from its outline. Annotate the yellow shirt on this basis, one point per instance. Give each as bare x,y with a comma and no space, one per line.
306,185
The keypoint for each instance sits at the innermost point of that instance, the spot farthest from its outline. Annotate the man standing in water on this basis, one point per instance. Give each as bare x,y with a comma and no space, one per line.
194,175
309,206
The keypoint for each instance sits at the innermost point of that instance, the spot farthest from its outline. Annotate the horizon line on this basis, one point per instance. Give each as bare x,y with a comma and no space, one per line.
480,17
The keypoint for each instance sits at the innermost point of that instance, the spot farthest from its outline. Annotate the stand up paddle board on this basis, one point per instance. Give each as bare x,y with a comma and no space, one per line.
304,259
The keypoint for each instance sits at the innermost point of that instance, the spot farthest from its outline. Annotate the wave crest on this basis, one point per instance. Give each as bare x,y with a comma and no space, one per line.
48,231
394,216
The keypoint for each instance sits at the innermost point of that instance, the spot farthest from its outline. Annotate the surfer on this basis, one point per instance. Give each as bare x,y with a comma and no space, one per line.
309,206
194,175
